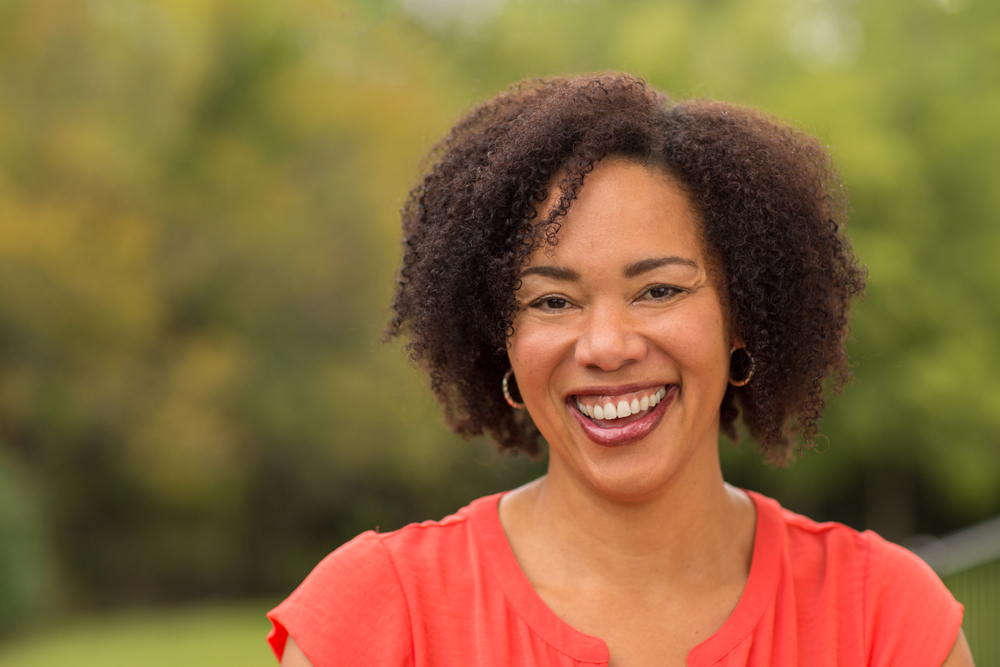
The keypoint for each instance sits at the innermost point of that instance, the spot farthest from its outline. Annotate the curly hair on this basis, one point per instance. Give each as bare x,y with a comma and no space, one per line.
771,207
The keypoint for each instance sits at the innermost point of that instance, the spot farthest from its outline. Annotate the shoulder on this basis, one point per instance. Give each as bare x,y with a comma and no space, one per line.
420,545
877,564
828,545
887,572
364,589
350,592
902,612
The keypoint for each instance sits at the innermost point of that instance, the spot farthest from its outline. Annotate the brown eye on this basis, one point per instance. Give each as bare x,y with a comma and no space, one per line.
662,291
550,303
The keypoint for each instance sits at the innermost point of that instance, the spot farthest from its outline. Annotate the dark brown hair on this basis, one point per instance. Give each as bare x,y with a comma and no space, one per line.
771,206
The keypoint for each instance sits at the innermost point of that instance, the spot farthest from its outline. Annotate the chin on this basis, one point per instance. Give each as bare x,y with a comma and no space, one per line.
631,480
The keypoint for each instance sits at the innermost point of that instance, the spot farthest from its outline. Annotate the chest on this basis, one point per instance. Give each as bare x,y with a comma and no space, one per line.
646,628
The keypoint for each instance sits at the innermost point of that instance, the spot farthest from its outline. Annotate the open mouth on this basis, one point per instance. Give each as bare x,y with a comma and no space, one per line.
614,420
615,408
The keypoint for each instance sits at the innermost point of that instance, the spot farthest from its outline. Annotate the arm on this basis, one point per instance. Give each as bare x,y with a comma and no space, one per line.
960,655
294,657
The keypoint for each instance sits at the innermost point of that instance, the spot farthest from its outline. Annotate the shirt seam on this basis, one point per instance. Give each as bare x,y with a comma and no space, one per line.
426,525
814,527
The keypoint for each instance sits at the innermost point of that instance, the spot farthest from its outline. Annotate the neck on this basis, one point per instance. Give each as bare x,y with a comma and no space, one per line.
694,527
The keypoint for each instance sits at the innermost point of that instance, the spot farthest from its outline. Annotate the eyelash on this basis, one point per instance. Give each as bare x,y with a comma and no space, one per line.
543,302
671,291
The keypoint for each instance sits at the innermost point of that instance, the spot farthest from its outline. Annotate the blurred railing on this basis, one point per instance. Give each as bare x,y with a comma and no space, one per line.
968,562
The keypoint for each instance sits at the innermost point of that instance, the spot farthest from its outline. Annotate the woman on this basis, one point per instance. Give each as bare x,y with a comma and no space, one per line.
624,277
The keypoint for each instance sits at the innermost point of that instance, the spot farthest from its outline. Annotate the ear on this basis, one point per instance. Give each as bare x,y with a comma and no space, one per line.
735,334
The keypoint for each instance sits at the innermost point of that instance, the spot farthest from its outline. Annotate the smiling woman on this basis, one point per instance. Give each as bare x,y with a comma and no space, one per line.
624,277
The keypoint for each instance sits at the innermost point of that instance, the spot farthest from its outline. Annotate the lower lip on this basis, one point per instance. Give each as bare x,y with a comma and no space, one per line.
626,434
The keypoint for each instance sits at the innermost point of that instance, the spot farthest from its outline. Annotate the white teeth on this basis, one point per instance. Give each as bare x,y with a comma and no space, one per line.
624,408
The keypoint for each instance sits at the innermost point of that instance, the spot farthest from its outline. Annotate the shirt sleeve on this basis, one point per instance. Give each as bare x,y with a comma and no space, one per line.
911,618
349,611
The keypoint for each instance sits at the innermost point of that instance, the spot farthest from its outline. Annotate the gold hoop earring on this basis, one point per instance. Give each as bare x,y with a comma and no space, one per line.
506,390
750,365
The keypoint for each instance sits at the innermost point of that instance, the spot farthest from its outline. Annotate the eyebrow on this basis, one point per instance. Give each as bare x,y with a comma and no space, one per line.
645,265
554,272
631,271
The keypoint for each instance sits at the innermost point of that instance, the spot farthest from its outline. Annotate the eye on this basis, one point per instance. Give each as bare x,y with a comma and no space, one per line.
661,292
550,303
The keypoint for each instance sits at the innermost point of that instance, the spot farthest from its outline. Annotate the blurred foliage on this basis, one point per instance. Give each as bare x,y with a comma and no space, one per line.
978,589
26,566
222,636
199,231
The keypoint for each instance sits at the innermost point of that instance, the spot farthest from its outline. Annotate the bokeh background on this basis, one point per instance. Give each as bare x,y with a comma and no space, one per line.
198,238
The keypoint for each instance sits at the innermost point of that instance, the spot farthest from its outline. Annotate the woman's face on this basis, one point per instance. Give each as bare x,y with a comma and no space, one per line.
620,346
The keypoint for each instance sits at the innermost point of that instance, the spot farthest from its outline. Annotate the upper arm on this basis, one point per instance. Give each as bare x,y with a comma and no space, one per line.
294,657
960,655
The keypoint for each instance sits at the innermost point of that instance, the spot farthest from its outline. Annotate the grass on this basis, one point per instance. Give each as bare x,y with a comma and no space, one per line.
223,636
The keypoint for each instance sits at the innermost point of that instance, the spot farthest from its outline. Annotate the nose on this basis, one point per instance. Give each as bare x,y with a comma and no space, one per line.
610,339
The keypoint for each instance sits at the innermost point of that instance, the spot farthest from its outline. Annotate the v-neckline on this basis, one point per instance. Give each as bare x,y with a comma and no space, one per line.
760,588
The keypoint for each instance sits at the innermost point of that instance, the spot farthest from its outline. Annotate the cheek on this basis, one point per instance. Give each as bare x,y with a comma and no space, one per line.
699,342
535,353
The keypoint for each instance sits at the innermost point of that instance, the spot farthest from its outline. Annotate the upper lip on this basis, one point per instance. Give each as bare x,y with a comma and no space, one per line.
616,390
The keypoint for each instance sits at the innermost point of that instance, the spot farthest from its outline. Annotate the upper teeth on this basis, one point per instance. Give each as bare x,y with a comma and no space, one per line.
624,408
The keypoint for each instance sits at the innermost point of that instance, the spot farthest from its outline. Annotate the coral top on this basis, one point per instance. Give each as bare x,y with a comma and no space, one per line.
451,593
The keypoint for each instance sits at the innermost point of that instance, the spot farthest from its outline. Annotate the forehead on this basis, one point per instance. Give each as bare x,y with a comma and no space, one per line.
628,212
